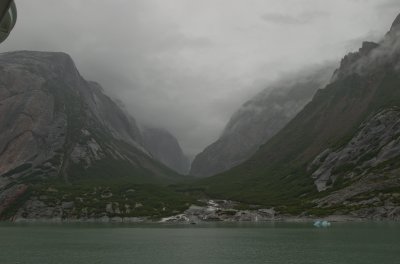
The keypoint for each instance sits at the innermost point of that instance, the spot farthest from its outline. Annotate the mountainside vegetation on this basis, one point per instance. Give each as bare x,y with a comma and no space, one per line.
281,172
68,151
259,119
56,128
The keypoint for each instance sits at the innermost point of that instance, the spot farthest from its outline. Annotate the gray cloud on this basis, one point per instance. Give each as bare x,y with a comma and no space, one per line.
390,4
303,18
187,65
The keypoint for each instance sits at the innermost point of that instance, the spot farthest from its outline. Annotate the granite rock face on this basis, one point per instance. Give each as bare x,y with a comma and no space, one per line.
257,121
376,143
396,24
31,131
363,174
165,148
56,125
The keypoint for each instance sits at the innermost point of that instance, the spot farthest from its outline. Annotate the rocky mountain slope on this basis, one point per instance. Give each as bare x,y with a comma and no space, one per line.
67,151
165,148
57,127
340,153
258,120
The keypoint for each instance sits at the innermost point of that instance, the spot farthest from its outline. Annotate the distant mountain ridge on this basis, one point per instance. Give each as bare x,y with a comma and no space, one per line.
258,120
165,148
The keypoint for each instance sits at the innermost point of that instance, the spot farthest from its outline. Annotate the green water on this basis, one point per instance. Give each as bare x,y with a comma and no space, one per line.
203,244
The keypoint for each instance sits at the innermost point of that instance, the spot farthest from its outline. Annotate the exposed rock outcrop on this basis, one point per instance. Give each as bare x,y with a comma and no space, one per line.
376,143
222,211
396,24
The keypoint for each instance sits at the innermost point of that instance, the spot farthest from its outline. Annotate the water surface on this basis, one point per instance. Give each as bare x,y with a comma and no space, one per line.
281,243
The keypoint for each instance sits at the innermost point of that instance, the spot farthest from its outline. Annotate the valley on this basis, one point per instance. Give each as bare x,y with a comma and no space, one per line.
323,145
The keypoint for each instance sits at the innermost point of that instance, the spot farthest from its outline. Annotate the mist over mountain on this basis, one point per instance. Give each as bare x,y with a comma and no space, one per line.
50,113
165,148
260,119
340,154
187,66
56,127
322,142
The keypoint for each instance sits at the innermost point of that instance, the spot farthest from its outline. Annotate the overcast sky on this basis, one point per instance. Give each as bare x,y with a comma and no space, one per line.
187,65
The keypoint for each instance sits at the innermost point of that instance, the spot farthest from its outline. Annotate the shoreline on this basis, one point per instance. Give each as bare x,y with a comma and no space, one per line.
138,220
214,211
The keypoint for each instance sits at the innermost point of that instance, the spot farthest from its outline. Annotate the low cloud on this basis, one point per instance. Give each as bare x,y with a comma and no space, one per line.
389,4
187,66
303,18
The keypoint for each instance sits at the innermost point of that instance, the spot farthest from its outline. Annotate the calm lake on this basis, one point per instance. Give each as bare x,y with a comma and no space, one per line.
352,243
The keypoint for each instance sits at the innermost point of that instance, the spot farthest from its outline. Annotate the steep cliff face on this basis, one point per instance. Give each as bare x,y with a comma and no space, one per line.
53,123
31,131
69,151
376,143
120,124
165,148
257,121
340,152
395,25
362,177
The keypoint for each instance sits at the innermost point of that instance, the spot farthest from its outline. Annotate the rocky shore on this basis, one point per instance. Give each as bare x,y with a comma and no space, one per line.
223,211
216,211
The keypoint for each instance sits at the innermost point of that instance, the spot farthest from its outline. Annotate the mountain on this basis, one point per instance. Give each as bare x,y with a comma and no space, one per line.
57,129
340,153
258,120
56,123
165,148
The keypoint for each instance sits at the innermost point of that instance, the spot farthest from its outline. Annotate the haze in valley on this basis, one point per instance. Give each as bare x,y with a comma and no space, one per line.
187,65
